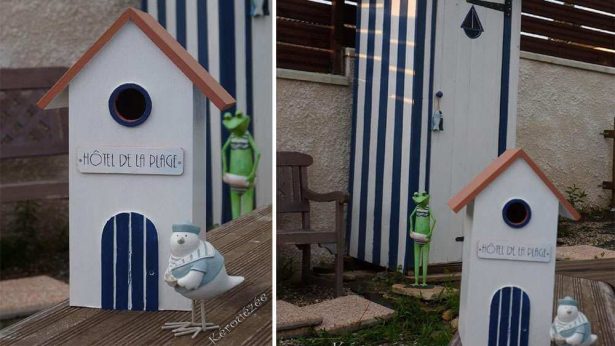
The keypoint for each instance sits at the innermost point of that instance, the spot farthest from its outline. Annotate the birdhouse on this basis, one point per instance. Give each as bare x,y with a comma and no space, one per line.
509,252
136,103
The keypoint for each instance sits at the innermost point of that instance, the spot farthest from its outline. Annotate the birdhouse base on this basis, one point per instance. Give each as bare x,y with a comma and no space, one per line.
424,293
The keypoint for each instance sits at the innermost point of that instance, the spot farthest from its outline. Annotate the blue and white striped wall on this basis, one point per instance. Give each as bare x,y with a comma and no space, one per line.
236,49
407,50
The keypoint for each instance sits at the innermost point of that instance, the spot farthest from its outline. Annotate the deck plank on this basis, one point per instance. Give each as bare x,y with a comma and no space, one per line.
246,245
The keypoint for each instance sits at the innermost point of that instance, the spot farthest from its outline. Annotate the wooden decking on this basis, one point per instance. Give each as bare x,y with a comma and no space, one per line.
246,245
591,284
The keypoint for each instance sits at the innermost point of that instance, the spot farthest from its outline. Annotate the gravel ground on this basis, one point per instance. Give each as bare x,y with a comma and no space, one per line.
597,229
302,295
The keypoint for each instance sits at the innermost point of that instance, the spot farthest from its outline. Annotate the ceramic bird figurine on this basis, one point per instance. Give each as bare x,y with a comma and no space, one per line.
196,271
570,326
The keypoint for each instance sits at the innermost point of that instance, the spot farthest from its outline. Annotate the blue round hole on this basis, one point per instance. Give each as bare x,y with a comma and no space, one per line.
516,213
130,104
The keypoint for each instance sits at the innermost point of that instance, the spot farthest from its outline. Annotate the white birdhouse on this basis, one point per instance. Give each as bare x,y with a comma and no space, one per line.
509,252
136,161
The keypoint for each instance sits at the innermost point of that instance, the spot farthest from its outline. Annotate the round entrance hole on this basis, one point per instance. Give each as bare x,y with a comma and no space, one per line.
130,104
516,213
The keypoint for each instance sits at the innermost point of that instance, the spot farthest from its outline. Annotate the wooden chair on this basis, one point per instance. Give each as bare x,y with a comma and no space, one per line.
294,196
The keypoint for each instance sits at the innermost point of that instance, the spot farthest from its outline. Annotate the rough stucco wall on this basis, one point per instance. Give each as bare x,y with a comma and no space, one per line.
37,33
315,119
562,111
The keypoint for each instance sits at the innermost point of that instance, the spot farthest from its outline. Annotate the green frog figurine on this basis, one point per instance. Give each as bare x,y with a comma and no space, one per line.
244,157
422,224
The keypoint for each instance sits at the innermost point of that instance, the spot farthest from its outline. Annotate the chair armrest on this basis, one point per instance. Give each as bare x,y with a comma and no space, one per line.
338,196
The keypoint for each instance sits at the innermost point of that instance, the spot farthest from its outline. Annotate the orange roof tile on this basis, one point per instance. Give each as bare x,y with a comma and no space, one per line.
167,44
499,165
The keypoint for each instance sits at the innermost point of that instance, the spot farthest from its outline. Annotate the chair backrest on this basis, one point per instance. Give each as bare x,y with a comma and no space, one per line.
291,178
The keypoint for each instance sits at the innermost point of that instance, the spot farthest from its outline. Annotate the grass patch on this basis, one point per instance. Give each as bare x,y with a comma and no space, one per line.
415,322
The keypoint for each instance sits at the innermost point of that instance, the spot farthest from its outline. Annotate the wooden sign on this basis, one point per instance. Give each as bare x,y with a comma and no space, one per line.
515,252
118,160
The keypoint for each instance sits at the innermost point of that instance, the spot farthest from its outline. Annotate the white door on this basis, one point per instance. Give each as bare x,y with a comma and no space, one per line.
477,74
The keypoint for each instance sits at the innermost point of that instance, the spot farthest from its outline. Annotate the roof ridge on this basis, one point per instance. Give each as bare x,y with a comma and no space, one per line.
165,42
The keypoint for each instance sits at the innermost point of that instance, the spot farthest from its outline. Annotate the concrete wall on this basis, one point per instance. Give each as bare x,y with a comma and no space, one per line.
36,33
562,110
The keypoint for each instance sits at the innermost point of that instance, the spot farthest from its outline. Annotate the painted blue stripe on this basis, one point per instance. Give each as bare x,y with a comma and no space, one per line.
494,315
136,262
525,321
516,314
371,38
353,134
382,126
248,44
432,59
106,269
504,89
151,267
162,13
144,5
417,110
397,134
504,317
226,14
180,15
121,261
203,57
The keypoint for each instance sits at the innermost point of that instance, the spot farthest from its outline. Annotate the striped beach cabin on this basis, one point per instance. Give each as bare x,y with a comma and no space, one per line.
415,58
236,49
137,164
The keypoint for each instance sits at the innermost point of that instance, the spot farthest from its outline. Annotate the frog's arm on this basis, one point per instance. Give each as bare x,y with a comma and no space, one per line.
412,218
257,155
223,155
433,224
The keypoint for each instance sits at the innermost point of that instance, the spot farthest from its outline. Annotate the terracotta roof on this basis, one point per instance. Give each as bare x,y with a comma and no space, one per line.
499,165
167,44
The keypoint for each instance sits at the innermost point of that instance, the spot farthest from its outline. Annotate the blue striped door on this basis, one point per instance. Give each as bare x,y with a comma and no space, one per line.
509,319
129,263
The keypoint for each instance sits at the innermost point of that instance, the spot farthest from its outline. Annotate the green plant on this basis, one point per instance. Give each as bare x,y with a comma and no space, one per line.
20,245
577,197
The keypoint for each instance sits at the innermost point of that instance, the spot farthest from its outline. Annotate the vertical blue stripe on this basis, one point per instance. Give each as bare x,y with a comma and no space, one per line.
432,58
136,262
494,315
121,261
366,128
353,134
106,269
248,42
514,320
162,13
203,56
151,267
417,109
180,15
504,314
525,321
398,133
382,126
504,90
144,5
226,14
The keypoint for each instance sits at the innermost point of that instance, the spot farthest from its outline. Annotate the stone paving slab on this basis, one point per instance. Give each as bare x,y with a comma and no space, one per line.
348,313
430,293
583,252
290,316
22,297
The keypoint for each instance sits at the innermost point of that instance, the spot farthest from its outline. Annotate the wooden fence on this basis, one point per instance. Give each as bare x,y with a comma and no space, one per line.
311,34
26,131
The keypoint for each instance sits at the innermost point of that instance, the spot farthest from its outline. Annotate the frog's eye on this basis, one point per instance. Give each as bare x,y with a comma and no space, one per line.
416,194
424,194
239,114
227,116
